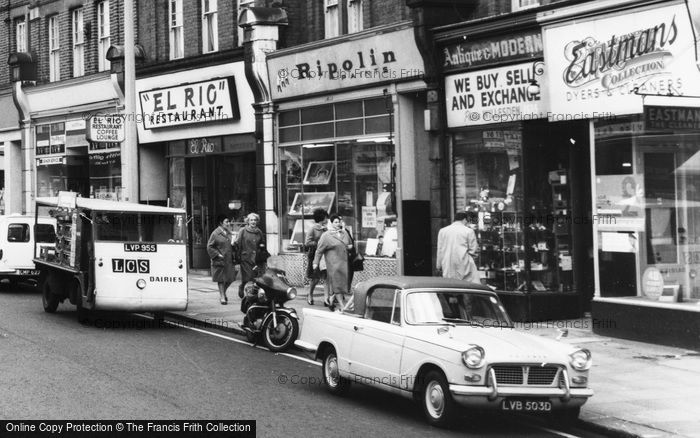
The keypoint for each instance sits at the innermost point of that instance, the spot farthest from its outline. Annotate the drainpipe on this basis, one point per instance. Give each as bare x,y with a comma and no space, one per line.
261,34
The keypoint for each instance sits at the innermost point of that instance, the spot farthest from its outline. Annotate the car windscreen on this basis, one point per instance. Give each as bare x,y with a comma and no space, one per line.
139,227
44,233
455,307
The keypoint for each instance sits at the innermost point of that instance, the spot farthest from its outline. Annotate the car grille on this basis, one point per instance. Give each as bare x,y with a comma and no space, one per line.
534,375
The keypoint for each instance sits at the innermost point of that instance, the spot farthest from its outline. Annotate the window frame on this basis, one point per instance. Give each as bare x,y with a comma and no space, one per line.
103,35
78,37
332,18
54,49
26,236
210,25
355,15
21,36
175,30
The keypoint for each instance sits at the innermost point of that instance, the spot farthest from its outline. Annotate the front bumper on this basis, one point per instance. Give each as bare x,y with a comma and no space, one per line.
492,395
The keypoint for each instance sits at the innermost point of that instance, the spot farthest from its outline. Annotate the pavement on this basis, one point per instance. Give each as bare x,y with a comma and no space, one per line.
641,390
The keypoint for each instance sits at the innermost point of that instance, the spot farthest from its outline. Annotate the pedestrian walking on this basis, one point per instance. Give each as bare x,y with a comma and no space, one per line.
221,254
252,250
315,275
456,250
334,245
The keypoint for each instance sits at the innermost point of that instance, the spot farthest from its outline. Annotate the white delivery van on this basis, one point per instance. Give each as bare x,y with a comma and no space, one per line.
18,234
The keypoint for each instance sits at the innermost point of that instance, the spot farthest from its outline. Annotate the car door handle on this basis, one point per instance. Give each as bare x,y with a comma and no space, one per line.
357,328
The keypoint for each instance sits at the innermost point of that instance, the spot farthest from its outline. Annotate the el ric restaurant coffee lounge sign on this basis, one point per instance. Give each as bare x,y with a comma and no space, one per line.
388,57
106,128
200,102
607,64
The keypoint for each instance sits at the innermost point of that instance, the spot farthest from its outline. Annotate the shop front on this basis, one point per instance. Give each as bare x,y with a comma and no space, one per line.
57,152
197,148
640,65
347,142
522,178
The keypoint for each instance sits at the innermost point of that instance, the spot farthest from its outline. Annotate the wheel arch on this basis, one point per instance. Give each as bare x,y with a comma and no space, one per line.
423,370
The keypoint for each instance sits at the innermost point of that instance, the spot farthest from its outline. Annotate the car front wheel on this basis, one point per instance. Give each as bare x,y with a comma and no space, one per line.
331,375
438,405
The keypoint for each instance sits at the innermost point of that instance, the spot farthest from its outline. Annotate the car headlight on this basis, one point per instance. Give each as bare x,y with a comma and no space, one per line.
473,357
291,293
580,360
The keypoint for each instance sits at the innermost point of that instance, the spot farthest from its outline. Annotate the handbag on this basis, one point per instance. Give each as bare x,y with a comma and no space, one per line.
261,255
236,253
357,260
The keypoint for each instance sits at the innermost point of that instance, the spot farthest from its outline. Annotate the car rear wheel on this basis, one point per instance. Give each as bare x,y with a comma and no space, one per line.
335,384
48,298
438,405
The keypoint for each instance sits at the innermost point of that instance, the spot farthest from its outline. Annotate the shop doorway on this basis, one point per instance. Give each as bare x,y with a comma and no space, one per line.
218,184
558,186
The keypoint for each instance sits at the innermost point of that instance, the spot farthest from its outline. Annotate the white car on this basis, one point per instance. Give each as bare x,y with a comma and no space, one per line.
447,344
18,233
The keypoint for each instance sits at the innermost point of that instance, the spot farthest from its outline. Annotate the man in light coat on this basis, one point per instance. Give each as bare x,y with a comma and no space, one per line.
456,250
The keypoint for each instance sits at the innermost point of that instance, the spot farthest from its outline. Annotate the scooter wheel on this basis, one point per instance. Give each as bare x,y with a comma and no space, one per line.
280,337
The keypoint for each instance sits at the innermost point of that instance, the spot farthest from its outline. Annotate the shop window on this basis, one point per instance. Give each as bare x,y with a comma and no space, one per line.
103,35
488,184
648,207
353,179
178,189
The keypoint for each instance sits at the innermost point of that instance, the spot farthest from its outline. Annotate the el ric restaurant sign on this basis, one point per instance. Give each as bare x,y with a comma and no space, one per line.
200,102
388,57
607,64
471,54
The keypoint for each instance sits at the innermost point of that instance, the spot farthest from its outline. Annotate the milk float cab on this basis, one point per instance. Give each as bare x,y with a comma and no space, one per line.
113,256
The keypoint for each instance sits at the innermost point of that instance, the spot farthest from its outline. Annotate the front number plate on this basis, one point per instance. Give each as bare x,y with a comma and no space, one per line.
28,272
520,405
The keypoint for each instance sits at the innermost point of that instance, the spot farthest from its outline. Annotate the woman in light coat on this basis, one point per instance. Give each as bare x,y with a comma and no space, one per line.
315,275
220,252
250,240
334,245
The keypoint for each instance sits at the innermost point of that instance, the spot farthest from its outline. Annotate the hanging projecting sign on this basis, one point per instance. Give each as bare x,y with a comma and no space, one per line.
200,102
106,128
388,57
601,67
496,95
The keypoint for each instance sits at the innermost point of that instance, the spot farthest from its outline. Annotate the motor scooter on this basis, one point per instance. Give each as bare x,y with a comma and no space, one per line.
266,316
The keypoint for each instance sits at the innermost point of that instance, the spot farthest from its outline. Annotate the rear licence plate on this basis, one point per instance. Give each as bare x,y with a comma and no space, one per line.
521,405
27,272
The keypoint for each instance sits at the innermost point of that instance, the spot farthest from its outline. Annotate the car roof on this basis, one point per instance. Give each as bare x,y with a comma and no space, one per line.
107,205
409,282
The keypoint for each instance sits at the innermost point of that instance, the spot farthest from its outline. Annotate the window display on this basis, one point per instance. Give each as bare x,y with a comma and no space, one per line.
648,203
353,179
519,249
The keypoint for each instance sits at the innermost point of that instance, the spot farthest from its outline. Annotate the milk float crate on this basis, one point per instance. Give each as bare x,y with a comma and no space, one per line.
113,255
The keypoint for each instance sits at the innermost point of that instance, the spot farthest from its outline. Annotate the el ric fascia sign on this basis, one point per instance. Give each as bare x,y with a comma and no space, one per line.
106,128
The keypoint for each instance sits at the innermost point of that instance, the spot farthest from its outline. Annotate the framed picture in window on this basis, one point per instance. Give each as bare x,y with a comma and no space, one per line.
319,172
301,229
304,204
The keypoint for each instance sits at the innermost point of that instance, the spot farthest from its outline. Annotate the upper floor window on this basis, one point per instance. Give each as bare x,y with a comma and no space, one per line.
54,54
103,34
21,36
354,16
176,34
210,40
78,43
342,16
332,22
519,5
